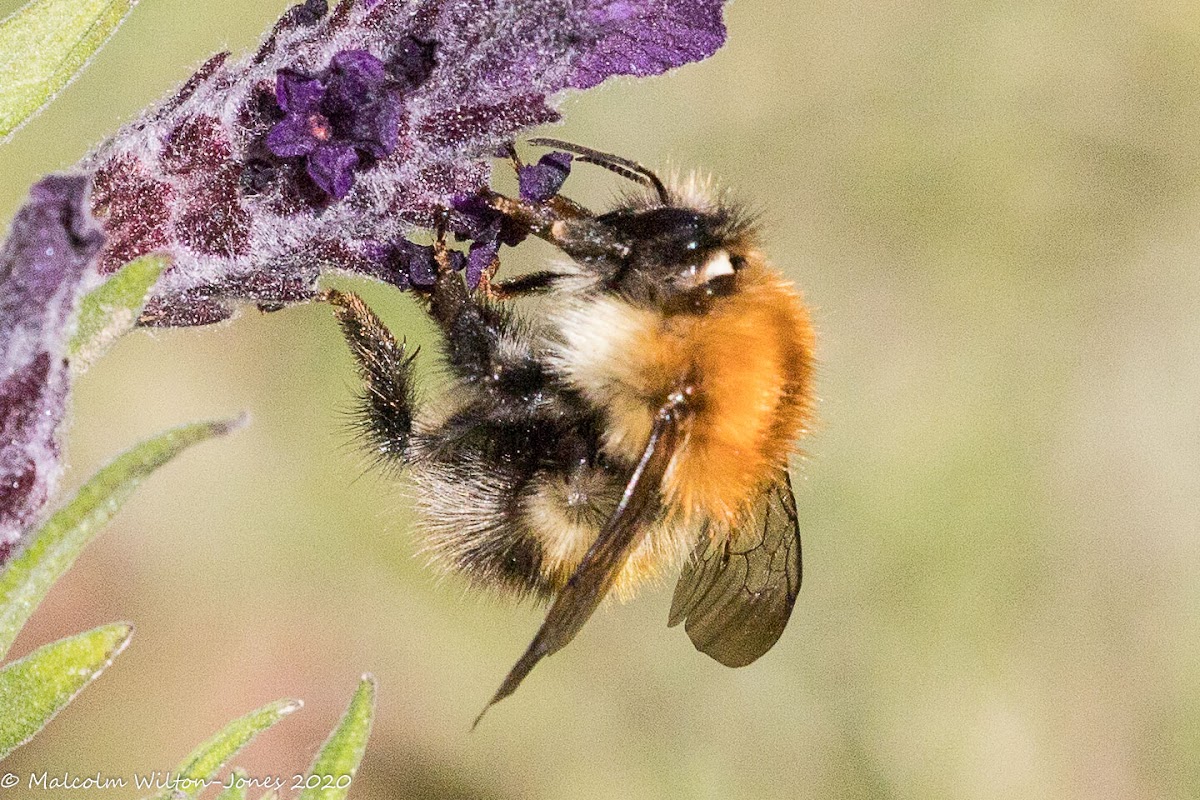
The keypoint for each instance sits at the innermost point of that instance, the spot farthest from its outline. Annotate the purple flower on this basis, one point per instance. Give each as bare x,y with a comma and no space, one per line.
45,260
305,127
335,121
488,229
539,182
332,168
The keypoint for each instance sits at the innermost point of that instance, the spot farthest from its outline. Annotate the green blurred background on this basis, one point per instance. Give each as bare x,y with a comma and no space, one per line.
994,209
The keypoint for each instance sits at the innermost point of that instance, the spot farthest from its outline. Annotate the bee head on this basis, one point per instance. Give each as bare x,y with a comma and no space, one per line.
675,250
678,258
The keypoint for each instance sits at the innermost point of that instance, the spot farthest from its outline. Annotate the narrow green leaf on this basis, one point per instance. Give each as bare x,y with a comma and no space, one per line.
197,770
43,45
236,788
38,686
111,309
52,550
334,767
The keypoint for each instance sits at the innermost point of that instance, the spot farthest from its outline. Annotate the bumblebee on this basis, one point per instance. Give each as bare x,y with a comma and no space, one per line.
641,420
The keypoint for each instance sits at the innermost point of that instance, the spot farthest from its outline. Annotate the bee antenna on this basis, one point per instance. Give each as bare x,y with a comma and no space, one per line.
622,166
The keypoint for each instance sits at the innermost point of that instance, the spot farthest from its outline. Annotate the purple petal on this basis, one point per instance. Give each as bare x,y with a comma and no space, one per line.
422,268
375,128
355,79
541,181
359,65
292,137
331,167
384,262
476,216
50,249
479,258
647,38
298,94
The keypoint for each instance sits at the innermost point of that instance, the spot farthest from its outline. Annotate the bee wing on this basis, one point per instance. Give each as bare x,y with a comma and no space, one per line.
605,558
737,594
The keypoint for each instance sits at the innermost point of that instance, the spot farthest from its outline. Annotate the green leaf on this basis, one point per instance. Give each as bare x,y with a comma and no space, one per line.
38,686
43,45
198,769
111,309
333,769
52,550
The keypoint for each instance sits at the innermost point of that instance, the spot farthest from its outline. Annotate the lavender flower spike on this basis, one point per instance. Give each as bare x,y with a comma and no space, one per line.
44,262
352,129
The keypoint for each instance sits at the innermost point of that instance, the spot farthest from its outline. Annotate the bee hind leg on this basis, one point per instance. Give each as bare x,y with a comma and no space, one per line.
384,412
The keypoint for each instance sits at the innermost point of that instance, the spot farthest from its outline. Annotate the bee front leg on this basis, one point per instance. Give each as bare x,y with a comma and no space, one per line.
565,224
485,344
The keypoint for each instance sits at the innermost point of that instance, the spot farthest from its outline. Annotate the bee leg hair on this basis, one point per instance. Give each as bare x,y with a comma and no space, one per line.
384,410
